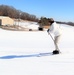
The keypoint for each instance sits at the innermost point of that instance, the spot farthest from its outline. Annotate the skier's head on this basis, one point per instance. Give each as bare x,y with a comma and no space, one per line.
51,20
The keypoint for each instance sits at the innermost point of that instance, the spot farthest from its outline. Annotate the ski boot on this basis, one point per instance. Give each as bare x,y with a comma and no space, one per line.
56,52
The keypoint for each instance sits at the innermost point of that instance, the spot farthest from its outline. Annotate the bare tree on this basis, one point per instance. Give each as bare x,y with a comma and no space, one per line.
10,11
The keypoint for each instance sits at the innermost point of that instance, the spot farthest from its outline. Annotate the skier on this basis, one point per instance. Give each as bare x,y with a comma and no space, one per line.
56,31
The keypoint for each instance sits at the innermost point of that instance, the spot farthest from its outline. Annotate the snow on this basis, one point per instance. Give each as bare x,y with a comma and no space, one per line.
19,53
28,25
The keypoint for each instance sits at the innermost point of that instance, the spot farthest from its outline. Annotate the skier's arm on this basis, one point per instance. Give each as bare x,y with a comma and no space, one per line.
50,29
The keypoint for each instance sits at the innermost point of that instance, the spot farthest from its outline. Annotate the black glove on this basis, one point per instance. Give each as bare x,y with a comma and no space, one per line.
48,30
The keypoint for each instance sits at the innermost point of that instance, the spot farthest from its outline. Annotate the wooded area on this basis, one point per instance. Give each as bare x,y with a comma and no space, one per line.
10,11
45,22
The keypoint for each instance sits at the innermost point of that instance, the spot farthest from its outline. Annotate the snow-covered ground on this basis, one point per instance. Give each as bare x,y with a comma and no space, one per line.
19,53
28,25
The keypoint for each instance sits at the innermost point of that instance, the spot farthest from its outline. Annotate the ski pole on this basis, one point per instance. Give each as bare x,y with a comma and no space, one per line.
51,36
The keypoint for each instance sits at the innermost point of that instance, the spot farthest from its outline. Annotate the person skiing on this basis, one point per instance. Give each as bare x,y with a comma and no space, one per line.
56,31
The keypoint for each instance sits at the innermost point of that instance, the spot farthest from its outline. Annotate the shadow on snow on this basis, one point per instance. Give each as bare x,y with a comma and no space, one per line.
22,56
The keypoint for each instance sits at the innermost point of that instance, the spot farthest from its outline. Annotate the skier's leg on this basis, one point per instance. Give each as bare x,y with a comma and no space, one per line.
56,42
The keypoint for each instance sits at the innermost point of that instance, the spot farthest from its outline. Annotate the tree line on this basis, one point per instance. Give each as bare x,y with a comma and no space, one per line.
45,22
10,11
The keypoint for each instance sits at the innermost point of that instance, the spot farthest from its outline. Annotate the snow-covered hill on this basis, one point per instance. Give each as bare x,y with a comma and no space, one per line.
19,52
